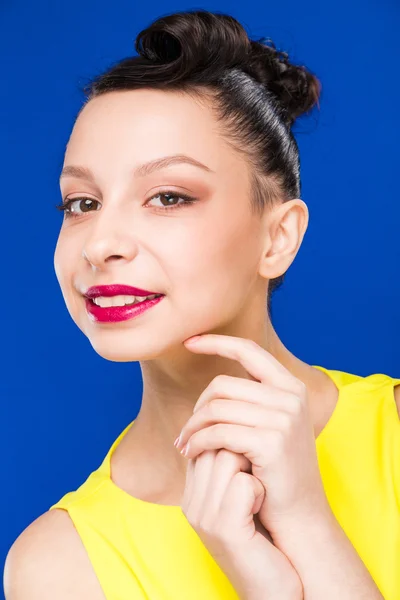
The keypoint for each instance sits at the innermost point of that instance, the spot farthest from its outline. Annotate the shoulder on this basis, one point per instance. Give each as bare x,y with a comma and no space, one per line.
48,560
383,392
376,384
379,384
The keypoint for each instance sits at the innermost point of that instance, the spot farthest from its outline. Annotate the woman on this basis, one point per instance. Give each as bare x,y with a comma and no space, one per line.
181,178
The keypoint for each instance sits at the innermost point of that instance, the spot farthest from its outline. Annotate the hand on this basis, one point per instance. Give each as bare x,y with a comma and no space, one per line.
267,421
220,501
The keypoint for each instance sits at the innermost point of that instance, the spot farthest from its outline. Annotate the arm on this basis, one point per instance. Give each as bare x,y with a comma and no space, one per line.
281,447
48,561
327,562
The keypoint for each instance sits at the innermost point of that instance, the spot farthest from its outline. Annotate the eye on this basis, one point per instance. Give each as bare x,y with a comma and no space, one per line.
75,207
78,206
172,196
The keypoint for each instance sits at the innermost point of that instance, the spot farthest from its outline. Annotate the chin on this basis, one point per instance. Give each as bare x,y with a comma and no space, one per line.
131,346
117,355
129,352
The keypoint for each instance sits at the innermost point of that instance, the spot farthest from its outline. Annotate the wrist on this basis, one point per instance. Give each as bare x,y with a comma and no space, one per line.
315,529
319,549
286,590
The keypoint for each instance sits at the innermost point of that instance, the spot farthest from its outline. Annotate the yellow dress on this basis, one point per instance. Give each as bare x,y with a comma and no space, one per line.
140,550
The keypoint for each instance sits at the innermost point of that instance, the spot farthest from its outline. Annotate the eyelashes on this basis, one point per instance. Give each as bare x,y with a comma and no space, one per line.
66,205
69,212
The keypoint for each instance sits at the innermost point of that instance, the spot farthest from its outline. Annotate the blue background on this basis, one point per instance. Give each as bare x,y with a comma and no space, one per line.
61,404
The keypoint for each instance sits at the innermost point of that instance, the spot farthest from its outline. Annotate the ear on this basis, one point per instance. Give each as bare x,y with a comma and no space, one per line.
285,228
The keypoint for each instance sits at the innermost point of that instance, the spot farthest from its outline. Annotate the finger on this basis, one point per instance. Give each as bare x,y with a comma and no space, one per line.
252,392
257,361
188,491
226,465
236,413
250,441
242,500
202,471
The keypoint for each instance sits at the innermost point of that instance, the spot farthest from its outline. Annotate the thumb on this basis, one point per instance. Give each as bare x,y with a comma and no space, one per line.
259,494
243,499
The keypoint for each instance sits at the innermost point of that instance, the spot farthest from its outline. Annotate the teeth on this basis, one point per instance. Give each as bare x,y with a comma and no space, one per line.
120,300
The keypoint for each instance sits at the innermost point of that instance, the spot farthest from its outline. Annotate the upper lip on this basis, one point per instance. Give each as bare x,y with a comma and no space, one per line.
116,290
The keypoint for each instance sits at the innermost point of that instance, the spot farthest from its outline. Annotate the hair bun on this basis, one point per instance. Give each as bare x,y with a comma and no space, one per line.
204,45
295,87
195,40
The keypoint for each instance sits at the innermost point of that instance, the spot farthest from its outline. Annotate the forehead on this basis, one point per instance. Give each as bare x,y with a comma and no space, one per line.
148,120
118,131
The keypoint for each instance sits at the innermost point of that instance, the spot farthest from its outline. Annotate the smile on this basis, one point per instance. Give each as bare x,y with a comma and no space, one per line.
113,309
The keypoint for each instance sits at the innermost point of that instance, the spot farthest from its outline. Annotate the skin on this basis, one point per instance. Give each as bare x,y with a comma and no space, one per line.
165,252
213,261
268,423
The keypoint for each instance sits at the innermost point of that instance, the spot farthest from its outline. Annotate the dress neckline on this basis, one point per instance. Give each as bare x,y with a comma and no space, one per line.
339,379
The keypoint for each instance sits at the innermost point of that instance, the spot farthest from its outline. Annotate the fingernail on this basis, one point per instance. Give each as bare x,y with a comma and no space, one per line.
193,339
185,450
176,441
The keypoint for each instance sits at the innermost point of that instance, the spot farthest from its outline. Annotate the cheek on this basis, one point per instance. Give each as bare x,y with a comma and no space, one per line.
215,271
65,266
58,260
224,255
64,262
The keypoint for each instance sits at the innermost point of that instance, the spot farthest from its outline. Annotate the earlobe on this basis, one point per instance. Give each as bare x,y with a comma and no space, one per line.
287,227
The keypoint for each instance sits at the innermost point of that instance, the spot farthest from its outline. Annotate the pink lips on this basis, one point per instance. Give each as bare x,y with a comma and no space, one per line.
113,314
116,290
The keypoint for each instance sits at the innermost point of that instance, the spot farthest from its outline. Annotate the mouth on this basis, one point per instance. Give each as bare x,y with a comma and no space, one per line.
115,303
107,291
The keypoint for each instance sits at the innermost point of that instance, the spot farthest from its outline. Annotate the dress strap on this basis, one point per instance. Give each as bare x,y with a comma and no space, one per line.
95,479
339,378
105,467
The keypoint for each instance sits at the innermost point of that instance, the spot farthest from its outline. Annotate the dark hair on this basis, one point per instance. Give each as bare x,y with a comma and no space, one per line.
257,94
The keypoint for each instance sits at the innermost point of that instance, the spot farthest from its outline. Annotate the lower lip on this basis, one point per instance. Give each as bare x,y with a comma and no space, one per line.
113,314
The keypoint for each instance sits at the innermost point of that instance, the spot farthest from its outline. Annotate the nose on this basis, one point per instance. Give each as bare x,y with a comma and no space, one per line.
108,242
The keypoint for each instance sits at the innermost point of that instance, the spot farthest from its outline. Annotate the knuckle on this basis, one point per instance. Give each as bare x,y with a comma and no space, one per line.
294,405
217,383
215,533
300,389
195,522
207,526
287,423
233,462
242,480
223,532
224,454
277,441
225,433
220,432
213,408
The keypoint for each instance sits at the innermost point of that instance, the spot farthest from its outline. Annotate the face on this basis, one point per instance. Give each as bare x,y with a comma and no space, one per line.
132,226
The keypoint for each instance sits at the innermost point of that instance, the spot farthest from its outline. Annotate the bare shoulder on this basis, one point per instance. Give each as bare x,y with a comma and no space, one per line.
48,560
397,397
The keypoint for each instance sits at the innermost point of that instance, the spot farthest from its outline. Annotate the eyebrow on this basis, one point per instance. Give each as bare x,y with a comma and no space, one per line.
141,170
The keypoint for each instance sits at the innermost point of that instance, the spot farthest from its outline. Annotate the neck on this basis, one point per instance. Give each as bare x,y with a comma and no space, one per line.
171,388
